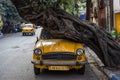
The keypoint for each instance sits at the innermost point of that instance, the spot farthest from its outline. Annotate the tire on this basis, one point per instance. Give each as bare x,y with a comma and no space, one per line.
36,71
23,34
81,70
31,34
34,33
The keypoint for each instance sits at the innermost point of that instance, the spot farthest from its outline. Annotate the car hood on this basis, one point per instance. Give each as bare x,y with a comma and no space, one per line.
56,45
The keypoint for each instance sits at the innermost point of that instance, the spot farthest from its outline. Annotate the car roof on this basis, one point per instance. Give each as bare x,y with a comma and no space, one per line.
28,24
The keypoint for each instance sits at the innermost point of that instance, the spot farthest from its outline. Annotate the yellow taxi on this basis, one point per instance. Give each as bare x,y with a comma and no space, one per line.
28,29
54,53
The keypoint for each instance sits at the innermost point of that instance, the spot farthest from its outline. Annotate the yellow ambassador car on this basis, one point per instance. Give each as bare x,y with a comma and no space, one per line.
53,53
28,29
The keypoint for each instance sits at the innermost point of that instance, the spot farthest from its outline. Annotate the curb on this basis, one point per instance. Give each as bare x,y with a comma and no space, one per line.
114,77
111,75
107,72
94,66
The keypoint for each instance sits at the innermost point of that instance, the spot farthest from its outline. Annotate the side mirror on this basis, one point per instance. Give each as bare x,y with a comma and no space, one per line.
35,27
36,40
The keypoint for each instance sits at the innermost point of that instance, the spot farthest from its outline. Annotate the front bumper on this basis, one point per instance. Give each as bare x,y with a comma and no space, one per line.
27,32
59,63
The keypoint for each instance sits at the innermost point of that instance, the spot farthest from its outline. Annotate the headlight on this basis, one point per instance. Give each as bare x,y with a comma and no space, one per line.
37,51
79,51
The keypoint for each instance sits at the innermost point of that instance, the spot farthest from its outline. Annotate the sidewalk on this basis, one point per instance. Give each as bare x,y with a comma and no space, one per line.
113,74
89,55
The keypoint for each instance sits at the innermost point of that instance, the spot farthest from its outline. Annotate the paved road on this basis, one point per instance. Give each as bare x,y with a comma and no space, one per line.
15,61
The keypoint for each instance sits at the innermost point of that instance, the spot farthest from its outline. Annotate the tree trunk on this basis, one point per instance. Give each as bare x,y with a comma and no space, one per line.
102,14
60,23
88,6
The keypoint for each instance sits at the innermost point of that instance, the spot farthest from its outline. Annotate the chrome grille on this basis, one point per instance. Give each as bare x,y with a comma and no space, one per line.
59,56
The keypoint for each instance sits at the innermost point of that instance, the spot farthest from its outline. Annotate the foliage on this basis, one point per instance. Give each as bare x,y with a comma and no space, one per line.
82,1
70,7
9,12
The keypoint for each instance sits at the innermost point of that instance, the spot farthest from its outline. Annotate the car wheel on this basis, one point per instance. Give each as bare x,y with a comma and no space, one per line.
34,33
81,70
23,34
36,70
31,34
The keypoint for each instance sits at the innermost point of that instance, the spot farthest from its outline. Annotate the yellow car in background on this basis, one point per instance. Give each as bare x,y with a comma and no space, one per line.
28,29
54,53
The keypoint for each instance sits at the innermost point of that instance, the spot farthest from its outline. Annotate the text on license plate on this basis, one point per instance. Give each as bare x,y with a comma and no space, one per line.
58,68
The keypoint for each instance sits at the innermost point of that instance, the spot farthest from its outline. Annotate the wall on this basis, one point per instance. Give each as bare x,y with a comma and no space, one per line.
116,5
117,15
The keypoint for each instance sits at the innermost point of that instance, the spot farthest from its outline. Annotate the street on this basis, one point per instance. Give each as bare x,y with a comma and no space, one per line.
15,61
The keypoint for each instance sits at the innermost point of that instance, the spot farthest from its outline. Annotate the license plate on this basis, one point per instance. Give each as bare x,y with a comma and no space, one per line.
58,68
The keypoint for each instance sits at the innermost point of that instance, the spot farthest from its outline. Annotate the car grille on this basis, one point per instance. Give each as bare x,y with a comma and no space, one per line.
59,56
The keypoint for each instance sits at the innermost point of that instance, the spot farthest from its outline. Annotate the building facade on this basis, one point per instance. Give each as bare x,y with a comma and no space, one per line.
116,5
103,13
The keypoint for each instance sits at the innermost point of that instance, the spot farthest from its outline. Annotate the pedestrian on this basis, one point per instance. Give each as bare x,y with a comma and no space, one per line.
91,14
11,27
8,27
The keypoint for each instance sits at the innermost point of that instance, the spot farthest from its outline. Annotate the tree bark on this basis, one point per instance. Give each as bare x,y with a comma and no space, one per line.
62,24
88,5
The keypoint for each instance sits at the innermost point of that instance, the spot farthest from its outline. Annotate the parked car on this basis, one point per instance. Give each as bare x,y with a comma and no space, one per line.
28,29
18,27
54,53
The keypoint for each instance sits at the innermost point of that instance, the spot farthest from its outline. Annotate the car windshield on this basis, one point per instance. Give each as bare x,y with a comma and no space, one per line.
28,25
46,35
